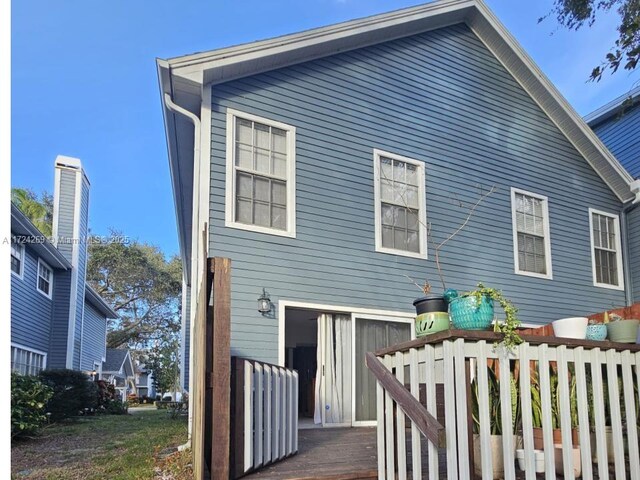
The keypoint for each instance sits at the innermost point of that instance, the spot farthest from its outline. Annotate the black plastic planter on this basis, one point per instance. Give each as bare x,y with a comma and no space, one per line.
431,303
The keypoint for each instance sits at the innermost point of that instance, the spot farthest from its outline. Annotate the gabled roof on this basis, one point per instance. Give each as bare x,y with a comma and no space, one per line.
118,359
21,225
605,112
182,78
96,300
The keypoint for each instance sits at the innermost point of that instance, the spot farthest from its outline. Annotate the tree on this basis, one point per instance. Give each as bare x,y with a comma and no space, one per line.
162,360
38,209
573,14
143,288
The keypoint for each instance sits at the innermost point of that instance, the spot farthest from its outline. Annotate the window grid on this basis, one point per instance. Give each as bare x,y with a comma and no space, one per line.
531,234
400,207
261,174
605,253
17,258
44,279
26,362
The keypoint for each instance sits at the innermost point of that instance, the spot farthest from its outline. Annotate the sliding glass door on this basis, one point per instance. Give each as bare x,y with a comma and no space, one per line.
371,334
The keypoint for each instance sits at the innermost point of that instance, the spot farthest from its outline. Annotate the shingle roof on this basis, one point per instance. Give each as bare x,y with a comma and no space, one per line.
114,359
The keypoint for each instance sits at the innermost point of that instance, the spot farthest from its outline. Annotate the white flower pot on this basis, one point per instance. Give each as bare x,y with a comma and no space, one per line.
497,459
573,327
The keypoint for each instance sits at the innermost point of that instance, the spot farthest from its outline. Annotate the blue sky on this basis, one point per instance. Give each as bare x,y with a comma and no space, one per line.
84,84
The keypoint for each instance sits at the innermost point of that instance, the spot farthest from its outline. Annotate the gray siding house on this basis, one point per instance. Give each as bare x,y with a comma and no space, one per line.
319,161
618,126
57,320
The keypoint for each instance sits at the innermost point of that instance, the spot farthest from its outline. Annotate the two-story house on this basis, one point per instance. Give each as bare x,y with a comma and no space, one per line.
327,163
57,320
618,125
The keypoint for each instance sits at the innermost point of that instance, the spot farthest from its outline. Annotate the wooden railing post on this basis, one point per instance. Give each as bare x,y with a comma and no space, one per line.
220,378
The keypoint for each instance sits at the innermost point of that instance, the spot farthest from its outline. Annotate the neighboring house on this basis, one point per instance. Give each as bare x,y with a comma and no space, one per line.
315,162
57,320
144,382
618,126
118,370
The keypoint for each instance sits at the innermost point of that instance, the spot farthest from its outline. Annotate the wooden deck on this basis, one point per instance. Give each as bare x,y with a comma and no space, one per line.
327,453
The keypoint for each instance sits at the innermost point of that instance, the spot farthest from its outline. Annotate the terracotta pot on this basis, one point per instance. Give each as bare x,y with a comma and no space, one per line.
538,442
497,458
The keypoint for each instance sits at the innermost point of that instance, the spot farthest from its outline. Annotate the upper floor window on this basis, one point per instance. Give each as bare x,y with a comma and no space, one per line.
531,239
17,259
26,361
400,212
44,279
606,250
260,184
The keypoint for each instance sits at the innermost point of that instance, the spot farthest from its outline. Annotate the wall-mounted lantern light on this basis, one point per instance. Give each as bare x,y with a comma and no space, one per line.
264,302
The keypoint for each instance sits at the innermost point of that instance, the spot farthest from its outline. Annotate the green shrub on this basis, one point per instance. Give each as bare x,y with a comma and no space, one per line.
116,407
28,399
73,392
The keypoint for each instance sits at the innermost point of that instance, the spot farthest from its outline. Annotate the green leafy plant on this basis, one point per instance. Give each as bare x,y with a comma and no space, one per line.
28,399
495,414
536,399
73,392
509,326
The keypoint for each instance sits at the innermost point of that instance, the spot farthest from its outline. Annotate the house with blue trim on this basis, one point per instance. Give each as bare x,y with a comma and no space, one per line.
326,165
57,319
618,125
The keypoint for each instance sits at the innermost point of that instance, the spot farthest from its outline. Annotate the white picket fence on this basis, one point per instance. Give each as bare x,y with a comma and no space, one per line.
454,361
269,420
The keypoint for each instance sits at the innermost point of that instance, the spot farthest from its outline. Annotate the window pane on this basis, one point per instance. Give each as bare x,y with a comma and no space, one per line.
400,217
262,215
412,197
262,189
279,139
398,171
262,161
400,239
387,237
412,175
387,214
262,139
243,211
243,131
279,192
279,217
386,170
386,190
245,185
413,241
244,156
413,222
279,165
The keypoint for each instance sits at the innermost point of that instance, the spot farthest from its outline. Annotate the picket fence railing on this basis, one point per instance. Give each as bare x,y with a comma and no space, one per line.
597,382
264,419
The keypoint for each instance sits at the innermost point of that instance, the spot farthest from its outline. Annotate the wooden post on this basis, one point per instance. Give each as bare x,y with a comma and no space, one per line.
221,367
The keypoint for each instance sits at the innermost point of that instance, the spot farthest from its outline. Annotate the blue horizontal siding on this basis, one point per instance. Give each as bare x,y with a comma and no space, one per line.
634,252
30,310
621,134
440,98
94,339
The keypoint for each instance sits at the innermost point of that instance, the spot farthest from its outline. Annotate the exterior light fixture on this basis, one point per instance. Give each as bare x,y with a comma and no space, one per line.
264,302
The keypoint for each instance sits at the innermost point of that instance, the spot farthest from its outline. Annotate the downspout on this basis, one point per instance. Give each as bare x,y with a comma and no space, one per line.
195,120
628,281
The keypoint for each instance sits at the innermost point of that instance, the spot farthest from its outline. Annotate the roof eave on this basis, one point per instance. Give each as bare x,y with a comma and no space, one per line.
97,301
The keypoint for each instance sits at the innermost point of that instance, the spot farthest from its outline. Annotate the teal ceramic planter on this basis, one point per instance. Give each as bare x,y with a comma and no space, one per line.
597,331
469,314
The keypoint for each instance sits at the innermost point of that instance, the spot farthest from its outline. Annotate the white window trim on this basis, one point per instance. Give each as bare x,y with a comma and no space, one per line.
20,247
230,193
50,294
31,350
422,214
616,225
547,234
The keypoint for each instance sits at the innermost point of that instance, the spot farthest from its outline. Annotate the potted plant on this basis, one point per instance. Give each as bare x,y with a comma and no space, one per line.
596,331
431,312
474,311
495,420
620,330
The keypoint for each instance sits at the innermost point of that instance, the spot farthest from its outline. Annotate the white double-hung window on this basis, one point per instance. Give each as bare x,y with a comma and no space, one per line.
531,239
400,212
260,183
17,259
606,250
44,280
27,361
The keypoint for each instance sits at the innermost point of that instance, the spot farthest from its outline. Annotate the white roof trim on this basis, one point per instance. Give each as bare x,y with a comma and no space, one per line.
609,109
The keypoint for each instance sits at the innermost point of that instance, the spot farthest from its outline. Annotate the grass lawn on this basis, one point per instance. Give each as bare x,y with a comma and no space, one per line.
133,446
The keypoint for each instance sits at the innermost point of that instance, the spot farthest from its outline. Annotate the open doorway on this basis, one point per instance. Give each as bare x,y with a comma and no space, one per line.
301,343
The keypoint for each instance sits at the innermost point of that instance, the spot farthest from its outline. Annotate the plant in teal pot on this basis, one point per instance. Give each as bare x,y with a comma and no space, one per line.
474,310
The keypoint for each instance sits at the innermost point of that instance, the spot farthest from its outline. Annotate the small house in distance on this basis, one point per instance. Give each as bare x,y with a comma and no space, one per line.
118,370
319,161
57,319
